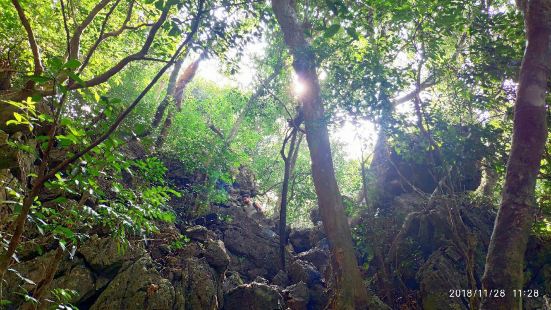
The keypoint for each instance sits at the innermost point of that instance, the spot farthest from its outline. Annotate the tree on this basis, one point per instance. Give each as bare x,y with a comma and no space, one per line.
350,292
505,259
289,161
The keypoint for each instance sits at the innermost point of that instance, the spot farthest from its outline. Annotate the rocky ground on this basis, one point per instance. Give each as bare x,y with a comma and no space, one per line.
228,259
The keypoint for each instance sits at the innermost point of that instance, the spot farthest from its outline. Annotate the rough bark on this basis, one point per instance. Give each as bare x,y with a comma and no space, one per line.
350,292
505,259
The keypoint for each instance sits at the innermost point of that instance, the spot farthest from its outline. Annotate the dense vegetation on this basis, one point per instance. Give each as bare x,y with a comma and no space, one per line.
340,106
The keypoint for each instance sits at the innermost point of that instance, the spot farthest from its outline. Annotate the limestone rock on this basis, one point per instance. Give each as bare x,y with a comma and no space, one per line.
231,281
216,255
200,284
198,233
303,271
253,252
297,296
254,296
438,276
281,279
140,286
105,255
300,239
317,256
79,279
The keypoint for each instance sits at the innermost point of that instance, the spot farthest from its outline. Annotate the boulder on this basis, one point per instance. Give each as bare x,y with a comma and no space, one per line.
79,279
140,286
317,256
254,296
231,281
304,271
319,297
305,239
297,296
216,255
438,276
198,233
105,256
300,239
200,284
281,279
253,252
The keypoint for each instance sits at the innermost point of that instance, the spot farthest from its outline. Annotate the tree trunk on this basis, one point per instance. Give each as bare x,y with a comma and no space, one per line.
177,92
183,80
350,291
377,173
505,260
169,94
287,159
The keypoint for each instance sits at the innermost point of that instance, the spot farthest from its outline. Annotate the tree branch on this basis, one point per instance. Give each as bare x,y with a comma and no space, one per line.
65,25
38,184
38,69
100,37
136,56
74,43
252,99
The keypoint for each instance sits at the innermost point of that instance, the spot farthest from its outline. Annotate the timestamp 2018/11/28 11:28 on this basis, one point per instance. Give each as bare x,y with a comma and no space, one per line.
493,293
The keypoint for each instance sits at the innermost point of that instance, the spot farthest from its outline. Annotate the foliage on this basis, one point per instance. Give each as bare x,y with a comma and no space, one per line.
458,60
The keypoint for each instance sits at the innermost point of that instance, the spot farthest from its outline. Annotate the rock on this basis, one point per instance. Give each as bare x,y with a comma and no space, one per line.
8,154
303,271
198,233
297,296
300,239
200,284
317,256
315,216
193,249
281,279
245,182
23,276
319,297
79,279
303,240
140,286
216,255
104,255
231,281
260,280
254,296
253,252
438,276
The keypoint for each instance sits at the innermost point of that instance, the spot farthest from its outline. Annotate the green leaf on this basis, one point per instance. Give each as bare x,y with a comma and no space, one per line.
332,30
353,33
39,79
64,232
18,117
72,64
56,64
159,4
5,302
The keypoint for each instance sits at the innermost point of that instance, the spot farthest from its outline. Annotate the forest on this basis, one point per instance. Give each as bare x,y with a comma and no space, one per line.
282,154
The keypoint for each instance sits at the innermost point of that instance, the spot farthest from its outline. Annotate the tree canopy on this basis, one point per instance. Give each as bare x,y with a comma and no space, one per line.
119,117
